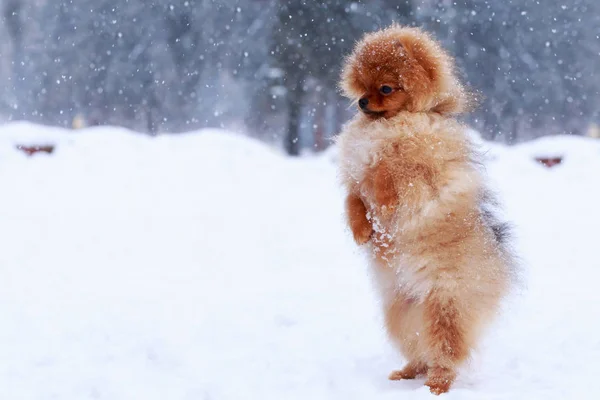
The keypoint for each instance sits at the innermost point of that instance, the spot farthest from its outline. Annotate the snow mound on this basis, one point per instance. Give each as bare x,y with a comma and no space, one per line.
209,266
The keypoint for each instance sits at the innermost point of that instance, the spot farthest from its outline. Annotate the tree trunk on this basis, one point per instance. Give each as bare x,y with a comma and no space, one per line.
292,139
12,16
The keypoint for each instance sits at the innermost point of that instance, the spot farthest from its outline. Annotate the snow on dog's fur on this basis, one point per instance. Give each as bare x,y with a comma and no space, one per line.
417,200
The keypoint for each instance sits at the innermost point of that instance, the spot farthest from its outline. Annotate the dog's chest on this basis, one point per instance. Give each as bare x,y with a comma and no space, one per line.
358,154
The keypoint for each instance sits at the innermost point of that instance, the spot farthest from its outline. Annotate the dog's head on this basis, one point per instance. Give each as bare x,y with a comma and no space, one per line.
402,69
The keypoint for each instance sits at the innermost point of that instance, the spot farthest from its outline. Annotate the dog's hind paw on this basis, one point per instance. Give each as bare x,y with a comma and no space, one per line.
410,371
439,380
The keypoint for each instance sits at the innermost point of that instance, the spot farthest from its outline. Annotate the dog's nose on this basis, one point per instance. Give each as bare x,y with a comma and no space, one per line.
363,103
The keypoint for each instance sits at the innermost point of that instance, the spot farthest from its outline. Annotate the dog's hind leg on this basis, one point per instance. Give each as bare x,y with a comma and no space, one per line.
404,322
447,335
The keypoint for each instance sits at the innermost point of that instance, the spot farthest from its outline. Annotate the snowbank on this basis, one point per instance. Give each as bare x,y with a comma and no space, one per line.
209,266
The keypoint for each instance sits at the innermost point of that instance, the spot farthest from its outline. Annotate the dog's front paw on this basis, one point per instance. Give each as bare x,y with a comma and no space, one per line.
362,229
362,234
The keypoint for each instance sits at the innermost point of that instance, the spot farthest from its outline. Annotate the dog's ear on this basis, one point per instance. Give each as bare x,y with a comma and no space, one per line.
450,95
349,84
398,44
427,54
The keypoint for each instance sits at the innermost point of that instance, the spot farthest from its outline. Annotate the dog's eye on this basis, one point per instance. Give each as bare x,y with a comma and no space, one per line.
385,90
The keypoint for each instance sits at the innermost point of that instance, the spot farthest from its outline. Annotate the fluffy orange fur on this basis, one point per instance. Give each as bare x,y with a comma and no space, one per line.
416,201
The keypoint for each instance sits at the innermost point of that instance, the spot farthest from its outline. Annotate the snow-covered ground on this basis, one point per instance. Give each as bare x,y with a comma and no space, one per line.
208,266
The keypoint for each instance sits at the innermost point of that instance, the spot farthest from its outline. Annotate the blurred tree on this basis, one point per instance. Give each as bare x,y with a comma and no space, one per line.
13,49
310,41
271,66
534,62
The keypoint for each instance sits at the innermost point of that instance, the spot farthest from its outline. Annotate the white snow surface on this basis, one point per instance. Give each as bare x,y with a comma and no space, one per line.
209,266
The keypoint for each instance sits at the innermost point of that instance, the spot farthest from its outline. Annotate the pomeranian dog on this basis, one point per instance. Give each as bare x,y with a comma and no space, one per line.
417,201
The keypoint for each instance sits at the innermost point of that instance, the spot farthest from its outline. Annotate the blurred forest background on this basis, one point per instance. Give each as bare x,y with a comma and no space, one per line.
269,68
